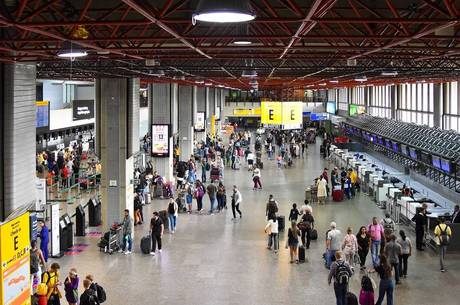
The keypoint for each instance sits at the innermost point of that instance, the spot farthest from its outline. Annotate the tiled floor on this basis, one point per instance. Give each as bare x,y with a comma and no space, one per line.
213,260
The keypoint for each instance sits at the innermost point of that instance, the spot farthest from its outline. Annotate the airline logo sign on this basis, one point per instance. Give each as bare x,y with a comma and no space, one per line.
277,113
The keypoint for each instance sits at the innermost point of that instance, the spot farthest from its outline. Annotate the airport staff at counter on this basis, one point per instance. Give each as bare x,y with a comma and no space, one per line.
456,214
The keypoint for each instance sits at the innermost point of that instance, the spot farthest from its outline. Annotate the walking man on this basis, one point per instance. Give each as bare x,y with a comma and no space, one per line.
236,200
443,233
421,221
341,272
212,193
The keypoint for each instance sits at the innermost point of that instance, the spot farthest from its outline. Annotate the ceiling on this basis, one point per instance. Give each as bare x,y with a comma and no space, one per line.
295,43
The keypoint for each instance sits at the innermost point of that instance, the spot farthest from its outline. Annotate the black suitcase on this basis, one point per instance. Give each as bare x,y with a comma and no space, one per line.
146,244
164,218
301,254
281,223
313,234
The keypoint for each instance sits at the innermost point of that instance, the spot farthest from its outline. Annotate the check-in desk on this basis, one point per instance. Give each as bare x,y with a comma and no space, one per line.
370,183
393,207
381,194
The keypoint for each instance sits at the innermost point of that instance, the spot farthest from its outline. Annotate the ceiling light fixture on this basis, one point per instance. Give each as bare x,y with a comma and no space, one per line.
322,84
334,81
223,11
242,42
362,78
199,82
208,84
249,73
157,72
389,73
69,51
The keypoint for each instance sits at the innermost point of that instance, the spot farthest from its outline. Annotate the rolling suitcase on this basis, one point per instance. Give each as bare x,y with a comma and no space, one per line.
301,254
337,195
146,244
281,223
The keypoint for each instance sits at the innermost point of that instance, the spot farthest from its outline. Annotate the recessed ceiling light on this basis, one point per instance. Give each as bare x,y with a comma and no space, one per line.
362,78
199,82
223,11
322,84
208,84
334,81
389,73
242,42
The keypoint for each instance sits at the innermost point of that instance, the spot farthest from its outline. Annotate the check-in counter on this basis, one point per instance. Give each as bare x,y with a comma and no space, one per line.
392,205
377,183
382,192
370,183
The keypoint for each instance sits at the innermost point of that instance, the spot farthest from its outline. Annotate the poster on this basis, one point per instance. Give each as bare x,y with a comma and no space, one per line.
199,124
40,193
218,113
15,266
129,184
160,140
55,241
83,109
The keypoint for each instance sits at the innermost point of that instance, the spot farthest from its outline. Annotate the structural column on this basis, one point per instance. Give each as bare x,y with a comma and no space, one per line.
117,127
17,139
165,111
438,106
185,128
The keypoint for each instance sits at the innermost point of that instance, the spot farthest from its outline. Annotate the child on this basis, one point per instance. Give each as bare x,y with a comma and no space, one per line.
366,295
294,214
279,161
189,198
347,187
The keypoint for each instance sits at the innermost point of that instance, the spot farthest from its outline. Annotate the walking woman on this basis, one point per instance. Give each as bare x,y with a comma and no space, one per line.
293,242
71,287
256,178
364,243
199,193
387,284
349,246
173,210
406,251
272,230
221,196
322,190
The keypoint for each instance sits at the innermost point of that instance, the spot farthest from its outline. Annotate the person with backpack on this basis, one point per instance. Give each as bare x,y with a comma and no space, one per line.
37,264
406,251
306,225
50,279
341,272
199,194
71,287
156,231
100,291
386,285
293,242
393,251
366,295
89,296
272,206
294,213
272,230
173,211
388,226
442,233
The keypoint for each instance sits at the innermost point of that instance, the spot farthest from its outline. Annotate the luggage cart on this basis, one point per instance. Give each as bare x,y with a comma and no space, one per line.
111,241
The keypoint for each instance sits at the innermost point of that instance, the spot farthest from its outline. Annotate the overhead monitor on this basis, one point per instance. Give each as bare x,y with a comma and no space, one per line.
436,162
413,153
42,109
445,165
83,109
404,150
331,107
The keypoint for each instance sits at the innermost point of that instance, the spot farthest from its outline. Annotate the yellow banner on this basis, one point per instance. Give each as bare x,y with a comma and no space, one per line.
246,112
292,113
14,257
42,103
271,113
213,126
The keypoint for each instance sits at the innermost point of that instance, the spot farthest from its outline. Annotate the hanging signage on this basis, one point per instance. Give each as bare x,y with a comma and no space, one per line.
319,116
42,109
218,113
356,109
83,109
271,113
160,140
199,124
15,265
213,126
281,113
246,112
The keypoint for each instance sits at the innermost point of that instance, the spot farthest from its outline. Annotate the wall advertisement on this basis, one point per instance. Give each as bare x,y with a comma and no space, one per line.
199,124
160,140
15,265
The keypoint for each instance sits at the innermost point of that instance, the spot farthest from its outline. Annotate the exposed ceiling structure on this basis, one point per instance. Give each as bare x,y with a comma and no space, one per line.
294,43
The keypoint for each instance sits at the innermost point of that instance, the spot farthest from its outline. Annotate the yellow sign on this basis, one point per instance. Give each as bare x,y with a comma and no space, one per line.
14,257
213,126
292,113
281,113
42,103
246,112
271,113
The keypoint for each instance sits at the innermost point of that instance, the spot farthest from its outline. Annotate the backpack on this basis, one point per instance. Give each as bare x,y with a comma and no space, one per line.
444,238
34,262
342,275
101,296
207,167
388,226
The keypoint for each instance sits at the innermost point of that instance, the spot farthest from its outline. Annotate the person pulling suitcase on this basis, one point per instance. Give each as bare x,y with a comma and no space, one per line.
156,231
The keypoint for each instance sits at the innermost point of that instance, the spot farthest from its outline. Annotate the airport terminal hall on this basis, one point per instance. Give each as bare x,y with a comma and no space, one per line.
229,152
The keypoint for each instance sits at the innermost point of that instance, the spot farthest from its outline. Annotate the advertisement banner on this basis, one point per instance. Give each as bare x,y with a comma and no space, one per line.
15,266
271,113
42,109
199,124
213,126
247,112
160,140
217,113
83,109
292,113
